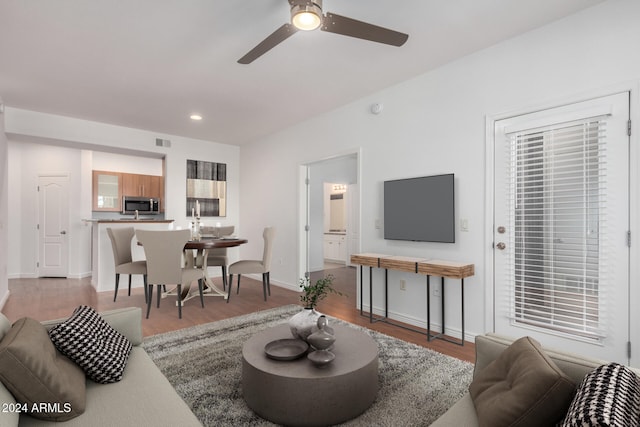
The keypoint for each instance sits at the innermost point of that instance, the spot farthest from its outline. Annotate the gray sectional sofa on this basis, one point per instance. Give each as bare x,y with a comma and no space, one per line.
143,397
489,347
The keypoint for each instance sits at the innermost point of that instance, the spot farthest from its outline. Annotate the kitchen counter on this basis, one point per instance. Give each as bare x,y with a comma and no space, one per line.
102,265
125,220
119,221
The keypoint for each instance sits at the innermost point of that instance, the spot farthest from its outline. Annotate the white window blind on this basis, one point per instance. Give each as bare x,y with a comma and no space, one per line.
557,197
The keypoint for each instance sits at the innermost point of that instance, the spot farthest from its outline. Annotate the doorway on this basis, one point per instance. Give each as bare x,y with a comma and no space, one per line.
53,225
318,179
560,227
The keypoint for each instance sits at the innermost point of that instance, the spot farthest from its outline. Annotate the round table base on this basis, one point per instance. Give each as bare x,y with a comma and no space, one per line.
298,393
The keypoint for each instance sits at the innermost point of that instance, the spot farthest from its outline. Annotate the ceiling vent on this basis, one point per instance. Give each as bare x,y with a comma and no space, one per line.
163,142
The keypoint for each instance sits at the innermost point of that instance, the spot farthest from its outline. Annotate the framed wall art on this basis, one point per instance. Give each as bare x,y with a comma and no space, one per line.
207,184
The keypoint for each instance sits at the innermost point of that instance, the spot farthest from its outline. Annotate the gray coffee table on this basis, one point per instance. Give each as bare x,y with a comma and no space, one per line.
299,393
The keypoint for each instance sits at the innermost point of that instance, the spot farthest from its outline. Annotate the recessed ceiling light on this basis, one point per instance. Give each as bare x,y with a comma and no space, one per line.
196,117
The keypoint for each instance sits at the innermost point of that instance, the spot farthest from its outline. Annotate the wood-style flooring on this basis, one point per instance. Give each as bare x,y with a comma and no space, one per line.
48,298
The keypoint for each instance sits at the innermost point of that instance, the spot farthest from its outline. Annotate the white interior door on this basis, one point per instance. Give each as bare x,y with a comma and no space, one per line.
53,226
561,218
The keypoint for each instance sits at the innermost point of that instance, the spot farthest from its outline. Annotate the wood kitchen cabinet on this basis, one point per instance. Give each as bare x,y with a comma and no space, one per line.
109,187
107,191
142,185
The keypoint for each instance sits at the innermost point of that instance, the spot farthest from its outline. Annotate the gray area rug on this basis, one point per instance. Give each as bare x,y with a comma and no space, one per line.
204,365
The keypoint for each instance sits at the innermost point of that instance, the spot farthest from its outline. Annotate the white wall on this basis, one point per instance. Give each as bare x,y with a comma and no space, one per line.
4,203
128,164
49,143
435,124
26,162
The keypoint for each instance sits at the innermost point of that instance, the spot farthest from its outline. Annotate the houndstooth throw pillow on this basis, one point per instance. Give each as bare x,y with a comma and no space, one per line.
607,396
87,339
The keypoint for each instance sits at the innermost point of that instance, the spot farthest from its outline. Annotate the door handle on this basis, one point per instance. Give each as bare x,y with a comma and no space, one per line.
501,245
63,232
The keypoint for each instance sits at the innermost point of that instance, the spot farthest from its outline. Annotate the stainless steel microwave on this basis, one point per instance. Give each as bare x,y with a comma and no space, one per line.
144,205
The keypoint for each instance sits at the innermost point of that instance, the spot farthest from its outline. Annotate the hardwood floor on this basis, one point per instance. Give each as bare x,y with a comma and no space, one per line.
45,298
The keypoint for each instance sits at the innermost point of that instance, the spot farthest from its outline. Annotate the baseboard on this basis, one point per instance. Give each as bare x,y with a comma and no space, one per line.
23,276
420,323
80,275
278,283
316,267
4,299
291,287
35,275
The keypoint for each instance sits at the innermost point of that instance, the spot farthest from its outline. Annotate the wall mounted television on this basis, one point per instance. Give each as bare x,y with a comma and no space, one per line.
420,209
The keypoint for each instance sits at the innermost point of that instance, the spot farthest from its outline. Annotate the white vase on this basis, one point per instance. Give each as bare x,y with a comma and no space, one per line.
304,323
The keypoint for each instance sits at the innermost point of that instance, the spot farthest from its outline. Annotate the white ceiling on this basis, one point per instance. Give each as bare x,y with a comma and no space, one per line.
149,64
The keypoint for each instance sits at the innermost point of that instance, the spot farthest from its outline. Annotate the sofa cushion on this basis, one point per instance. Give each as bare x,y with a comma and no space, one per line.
45,383
608,396
143,398
5,325
521,387
101,351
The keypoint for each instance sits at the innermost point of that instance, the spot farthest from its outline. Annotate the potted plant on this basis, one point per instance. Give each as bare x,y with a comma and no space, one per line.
314,293
304,323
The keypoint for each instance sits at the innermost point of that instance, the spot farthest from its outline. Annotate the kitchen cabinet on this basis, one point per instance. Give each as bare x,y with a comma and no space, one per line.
335,247
141,185
107,187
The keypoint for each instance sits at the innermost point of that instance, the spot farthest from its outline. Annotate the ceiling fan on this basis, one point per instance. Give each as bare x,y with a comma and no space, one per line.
307,15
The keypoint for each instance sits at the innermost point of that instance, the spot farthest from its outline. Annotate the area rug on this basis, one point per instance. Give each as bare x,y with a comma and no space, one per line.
204,364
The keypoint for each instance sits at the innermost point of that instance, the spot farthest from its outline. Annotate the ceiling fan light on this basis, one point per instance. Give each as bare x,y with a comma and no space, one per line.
307,16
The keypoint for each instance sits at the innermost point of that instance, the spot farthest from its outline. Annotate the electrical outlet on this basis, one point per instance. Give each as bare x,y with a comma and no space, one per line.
436,292
403,285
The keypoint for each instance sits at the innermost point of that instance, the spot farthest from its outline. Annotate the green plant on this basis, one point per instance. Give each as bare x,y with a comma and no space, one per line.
314,293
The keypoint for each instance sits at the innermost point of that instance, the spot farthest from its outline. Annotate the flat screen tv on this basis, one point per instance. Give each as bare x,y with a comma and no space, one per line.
420,209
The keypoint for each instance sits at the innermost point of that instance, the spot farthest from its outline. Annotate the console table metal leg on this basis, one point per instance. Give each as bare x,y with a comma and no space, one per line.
361,311
370,294
441,335
442,301
386,293
462,306
428,308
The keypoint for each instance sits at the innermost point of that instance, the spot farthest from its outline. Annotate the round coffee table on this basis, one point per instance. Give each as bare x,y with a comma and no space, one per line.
299,393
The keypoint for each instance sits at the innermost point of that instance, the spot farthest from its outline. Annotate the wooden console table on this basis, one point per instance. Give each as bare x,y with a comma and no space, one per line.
444,269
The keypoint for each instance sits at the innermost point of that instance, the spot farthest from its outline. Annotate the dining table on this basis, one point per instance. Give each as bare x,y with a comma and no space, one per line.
201,247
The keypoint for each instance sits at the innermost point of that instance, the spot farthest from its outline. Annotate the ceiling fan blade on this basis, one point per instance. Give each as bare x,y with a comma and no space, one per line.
337,24
277,37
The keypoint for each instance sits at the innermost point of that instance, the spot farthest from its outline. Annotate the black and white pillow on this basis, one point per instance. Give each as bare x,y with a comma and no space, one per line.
87,339
607,396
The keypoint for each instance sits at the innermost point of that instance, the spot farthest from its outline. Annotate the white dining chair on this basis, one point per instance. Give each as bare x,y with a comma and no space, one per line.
164,251
262,266
122,258
217,257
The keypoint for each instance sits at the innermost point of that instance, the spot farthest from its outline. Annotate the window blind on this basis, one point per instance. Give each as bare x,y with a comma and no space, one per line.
558,222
